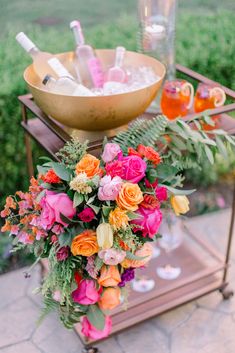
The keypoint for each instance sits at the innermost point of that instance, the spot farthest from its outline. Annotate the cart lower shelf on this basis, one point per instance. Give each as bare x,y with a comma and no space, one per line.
197,279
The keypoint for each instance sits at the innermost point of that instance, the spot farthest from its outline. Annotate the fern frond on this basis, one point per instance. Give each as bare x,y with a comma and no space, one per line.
142,131
72,152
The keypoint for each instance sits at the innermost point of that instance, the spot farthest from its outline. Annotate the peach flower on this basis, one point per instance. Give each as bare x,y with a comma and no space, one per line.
146,252
109,276
88,164
85,244
129,197
118,218
110,298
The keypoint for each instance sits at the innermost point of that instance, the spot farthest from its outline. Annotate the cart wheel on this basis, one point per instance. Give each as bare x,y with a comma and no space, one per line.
227,294
90,350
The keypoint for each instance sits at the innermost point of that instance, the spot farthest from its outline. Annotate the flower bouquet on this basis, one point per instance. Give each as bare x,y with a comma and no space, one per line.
95,218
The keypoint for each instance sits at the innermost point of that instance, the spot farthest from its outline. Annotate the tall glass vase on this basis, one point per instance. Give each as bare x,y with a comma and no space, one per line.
156,35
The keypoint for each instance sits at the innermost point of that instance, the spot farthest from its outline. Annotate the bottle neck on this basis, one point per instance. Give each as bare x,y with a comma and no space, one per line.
34,52
78,35
120,53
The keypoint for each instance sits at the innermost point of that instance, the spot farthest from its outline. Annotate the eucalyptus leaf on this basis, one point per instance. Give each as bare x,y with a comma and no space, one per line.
65,239
131,256
165,171
61,170
221,146
178,143
95,208
77,199
106,210
96,317
209,154
178,191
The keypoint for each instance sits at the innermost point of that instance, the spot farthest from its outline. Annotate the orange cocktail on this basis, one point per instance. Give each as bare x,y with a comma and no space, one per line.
209,97
177,98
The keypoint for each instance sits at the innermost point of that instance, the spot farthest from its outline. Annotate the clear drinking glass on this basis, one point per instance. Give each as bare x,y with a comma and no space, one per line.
142,283
156,35
172,237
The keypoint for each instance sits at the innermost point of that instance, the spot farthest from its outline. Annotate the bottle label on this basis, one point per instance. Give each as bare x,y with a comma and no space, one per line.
96,72
59,69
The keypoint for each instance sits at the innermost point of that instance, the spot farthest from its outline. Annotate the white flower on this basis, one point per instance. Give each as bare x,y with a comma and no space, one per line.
80,184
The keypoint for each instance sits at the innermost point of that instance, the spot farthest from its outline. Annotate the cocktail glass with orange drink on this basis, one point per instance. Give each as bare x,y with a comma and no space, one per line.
177,98
209,97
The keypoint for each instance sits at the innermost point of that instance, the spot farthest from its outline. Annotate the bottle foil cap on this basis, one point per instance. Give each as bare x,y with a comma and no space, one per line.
24,41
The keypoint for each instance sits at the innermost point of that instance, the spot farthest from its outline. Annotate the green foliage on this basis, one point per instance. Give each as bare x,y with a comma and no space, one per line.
71,153
141,132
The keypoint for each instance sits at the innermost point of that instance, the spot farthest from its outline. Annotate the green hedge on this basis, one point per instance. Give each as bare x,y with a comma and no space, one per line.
205,43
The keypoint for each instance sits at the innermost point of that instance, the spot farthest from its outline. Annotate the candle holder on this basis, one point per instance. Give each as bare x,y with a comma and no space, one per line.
157,31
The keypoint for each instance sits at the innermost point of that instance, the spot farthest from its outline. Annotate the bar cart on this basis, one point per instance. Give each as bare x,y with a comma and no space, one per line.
199,277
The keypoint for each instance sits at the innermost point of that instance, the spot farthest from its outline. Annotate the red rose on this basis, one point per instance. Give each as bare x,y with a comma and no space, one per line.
87,215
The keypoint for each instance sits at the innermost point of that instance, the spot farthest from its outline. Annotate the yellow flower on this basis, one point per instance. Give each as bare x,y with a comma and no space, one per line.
118,218
104,234
180,204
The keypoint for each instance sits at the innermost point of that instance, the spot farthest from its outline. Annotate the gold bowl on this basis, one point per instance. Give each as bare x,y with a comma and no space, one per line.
99,113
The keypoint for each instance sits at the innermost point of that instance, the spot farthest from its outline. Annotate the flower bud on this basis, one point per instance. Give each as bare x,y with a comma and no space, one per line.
104,234
180,204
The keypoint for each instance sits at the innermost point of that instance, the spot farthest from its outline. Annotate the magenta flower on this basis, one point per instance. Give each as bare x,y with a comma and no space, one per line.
92,332
53,205
86,292
148,222
87,215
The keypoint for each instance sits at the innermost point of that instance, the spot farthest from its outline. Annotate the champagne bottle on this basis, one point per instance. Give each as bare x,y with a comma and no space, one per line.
91,69
65,86
43,63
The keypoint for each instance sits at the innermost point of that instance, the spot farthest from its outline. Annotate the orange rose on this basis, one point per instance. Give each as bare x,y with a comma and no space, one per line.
146,252
118,218
85,244
110,298
109,276
88,164
129,197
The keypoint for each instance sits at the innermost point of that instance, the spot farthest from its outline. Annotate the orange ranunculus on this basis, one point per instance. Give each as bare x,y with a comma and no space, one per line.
118,218
149,153
145,252
110,298
85,244
150,202
109,276
152,155
129,197
88,164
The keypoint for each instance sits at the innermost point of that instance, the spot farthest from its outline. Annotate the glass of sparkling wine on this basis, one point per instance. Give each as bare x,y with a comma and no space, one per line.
172,237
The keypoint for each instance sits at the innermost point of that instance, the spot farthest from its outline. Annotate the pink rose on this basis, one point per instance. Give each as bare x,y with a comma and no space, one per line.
131,168
161,193
109,188
149,222
112,256
53,205
86,292
134,168
111,151
92,332
87,215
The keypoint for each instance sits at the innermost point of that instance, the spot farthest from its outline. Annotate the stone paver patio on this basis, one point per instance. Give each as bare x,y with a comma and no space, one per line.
206,325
